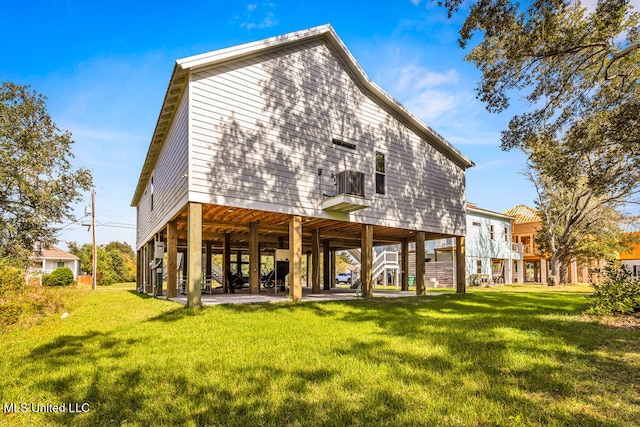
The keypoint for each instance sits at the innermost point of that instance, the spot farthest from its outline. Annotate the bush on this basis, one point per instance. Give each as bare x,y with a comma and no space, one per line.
618,294
11,277
62,276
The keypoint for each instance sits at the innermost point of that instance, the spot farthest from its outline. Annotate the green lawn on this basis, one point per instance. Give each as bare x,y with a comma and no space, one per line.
511,355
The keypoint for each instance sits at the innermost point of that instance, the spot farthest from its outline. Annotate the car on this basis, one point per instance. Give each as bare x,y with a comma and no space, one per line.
343,278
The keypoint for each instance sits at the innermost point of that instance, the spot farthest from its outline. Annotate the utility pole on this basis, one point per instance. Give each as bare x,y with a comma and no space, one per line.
94,268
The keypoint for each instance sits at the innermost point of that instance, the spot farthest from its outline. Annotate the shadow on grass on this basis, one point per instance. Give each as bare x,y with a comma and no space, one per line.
506,355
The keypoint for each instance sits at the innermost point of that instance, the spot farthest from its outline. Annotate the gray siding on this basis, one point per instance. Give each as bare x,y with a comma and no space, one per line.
170,183
262,127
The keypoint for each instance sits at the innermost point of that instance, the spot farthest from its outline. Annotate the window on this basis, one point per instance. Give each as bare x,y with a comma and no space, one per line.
344,144
152,192
491,232
475,224
506,234
60,264
479,266
380,173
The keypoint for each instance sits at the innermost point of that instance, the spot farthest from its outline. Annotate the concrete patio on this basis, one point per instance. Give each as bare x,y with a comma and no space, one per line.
242,296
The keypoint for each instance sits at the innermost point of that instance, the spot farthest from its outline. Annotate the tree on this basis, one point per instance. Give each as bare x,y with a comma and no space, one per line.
578,72
38,184
575,223
116,262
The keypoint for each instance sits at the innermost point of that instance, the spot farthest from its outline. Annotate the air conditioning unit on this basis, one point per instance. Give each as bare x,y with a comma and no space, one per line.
350,182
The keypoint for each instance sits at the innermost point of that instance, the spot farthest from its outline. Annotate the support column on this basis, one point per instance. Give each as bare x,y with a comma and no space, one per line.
185,257
366,260
172,259
508,273
543,270
332,273
326,267
404,264
226,262
308,257
254,259
207,259
194,258
573,271
295,263
520,273
150,251
315,261
139,270
461,254
420,260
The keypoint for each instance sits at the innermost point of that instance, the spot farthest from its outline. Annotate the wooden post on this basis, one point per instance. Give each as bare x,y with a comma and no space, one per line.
543,270
185,257
226,262
315,261
326,249
207,259
404,263
254,259
461,270
139,270
366,260
172,259
332,273
194,249
150,251
295,263
420,259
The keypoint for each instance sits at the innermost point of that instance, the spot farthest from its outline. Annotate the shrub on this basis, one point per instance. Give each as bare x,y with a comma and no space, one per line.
618,294
62,276
11,277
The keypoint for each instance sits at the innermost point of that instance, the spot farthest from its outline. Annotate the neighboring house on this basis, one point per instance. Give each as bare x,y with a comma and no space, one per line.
48,260
286,143
491,256
632,258
536,267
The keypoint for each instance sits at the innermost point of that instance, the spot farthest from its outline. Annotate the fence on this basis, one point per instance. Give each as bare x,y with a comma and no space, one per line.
84,280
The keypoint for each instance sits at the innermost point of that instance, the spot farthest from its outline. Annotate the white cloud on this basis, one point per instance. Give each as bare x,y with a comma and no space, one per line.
259,16
431,104
417,78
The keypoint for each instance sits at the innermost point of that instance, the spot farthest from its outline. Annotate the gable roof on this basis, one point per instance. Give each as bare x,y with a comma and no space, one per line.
54,253
180,78
471,207
523,214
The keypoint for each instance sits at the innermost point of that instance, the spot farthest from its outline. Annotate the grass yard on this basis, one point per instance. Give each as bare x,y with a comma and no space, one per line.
512,355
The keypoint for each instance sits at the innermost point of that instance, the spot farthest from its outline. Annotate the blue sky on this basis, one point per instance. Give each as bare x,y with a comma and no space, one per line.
105,66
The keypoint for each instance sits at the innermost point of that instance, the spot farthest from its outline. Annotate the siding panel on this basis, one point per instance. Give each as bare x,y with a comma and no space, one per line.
262,127
169,183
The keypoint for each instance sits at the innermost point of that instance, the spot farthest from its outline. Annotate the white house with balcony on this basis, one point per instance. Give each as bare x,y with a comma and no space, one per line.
286,144
491,257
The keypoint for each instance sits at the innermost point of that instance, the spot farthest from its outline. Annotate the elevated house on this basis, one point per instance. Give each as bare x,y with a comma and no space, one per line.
536,266
491,257
631,258
285,144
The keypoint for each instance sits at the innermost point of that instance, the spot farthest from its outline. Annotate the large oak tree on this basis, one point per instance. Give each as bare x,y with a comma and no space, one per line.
578,72
38,184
